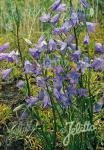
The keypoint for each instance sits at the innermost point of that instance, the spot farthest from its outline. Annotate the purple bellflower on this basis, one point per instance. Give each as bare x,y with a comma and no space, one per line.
20,84
55,5
31,101
52,45
85,3
76,56
55,19
98,47
6,73
86,40
28,67
61,8
45,17
4,47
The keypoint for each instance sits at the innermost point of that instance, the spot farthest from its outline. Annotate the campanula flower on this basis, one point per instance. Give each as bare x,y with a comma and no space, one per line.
55,5
76,56
57,31
4,47
99,105
74,18
20,84
98,47
74,76
90,27
45,17
58,70
70,39
86,39
61,8
52,45
34,52
98,64
47,62
81,16
47,102
6,73
6,56
73,46
41,94
82,66
85,3
31,101
55,19
82,92
63,46
28,67
66,27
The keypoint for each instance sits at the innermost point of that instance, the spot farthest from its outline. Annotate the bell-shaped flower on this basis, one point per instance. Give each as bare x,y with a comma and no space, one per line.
98,64
66,27
82,92
5,73
61,8
45,17
74,18
57,31
55,5
90,27
85,3
52,45
55,19
20,84
46,101
76,56
31,101
4,47
98,47
86,40
28,67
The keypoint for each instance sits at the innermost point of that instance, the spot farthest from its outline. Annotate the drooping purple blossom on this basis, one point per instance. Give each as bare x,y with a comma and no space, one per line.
28,67
55,5
57,31
70,39
63,46
52,45
58,70
41,94
82,66
98,64
4,47
47,62
90,27
74,18
20,84
5,73
55,19
47,102
45,17
74,76
81,16
61,8
6,56
98,47
31,101
85,3
66,27
86,39
99,105
76,56
82,92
